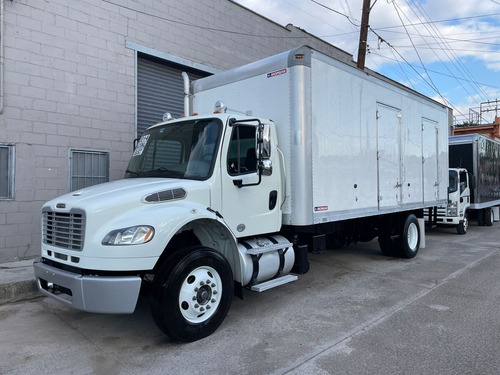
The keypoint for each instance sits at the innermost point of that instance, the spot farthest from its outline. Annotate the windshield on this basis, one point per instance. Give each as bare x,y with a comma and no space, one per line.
453,185
178,150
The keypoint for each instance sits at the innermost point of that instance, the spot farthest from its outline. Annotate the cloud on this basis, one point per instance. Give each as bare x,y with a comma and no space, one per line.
454,56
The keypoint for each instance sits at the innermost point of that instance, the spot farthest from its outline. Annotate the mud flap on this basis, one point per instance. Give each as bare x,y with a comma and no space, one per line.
421,225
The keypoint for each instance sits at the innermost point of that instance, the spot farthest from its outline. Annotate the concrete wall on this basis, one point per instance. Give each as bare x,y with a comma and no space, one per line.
70,83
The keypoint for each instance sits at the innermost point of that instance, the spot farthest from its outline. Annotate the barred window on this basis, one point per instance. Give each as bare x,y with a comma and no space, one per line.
88,168
6,172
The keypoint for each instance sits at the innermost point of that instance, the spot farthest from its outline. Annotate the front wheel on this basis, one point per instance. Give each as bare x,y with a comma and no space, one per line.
463,225
192,293
410,237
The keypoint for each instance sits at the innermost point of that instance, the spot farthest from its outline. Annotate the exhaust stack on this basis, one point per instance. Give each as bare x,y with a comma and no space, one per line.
185,78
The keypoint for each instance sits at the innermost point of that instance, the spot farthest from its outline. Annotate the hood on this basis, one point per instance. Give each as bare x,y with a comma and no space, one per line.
131,191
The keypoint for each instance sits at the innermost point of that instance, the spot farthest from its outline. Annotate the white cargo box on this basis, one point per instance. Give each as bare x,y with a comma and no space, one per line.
355,143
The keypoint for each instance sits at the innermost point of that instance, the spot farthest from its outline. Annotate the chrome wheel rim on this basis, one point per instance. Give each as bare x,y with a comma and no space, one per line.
200,294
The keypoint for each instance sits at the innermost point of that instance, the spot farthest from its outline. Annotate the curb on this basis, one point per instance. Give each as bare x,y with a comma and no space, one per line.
17,282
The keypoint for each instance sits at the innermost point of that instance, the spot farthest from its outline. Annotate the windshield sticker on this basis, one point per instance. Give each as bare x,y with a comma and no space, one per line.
140,146
276,73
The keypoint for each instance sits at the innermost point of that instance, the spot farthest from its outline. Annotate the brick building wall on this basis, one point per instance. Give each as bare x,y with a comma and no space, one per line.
69,83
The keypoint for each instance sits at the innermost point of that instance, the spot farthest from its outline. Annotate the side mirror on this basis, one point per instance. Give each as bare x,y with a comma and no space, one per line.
472,181
264,147
266,142
266,167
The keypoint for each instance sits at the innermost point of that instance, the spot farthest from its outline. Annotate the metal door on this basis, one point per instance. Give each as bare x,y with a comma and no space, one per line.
388,156
430,153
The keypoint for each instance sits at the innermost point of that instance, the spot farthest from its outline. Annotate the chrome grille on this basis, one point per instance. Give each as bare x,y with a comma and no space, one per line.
62,229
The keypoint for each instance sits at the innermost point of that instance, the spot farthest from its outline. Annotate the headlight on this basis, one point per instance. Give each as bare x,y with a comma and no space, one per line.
452,209
129,236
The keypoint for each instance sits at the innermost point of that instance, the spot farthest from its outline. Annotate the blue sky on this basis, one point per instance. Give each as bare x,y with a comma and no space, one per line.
446,49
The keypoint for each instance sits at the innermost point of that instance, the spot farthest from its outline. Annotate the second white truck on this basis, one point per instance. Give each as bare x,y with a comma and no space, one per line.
307,152
474,182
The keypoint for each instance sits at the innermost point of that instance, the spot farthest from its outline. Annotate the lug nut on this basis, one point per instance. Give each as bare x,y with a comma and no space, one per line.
196,306
194,298
213,300
202,283
213,285
202,309
215,292
196,290
208,281
208,307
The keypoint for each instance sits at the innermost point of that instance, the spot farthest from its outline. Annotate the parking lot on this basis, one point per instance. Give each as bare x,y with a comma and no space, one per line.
355,312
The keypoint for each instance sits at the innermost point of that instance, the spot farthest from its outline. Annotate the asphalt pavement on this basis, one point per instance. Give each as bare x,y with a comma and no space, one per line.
355,312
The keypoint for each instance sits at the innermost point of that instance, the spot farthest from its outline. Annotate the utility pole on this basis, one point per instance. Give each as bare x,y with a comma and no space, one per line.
363,34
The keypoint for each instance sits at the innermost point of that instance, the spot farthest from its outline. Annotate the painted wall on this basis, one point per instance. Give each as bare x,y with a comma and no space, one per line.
70,83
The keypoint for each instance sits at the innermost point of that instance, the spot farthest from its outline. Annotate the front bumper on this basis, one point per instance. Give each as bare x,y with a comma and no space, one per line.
98,294
449,220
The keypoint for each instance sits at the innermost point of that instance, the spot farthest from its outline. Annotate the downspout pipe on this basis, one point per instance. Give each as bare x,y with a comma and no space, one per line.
2,37
185,78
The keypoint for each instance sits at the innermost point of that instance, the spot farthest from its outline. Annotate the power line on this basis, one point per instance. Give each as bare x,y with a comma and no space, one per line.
336,11
440,21
415,49
432,86
434,71
449,52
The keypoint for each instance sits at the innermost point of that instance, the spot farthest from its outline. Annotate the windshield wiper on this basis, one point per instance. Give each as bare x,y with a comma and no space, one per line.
133,173
162,170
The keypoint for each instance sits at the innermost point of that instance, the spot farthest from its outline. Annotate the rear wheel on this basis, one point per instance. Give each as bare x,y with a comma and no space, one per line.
480,218
463,225
410,238
192,293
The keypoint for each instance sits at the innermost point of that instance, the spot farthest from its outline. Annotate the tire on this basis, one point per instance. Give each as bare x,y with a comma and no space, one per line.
480,218
191,293
488,217
410,238
463,225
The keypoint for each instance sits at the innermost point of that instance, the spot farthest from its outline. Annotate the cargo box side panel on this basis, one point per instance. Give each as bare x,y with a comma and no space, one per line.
488,180
368,145
344,145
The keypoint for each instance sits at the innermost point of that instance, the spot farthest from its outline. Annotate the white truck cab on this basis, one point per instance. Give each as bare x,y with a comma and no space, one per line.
456,212
185,189
474,188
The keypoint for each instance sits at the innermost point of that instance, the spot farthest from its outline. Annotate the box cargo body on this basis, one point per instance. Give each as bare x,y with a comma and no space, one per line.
480,155
355,144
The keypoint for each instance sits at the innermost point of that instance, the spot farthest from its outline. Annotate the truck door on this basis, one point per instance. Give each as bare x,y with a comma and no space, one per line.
389,156
251,204
430,170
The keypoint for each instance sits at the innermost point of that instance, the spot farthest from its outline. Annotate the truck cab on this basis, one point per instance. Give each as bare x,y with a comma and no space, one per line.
456,212
197,213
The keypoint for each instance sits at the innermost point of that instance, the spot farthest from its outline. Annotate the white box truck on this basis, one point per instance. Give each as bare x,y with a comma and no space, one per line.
474,182
308,151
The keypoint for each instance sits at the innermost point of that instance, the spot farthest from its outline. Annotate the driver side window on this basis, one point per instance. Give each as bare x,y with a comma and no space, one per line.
242,157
